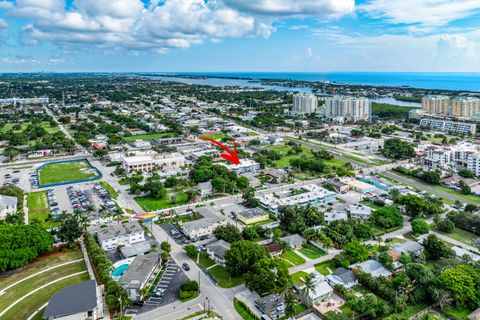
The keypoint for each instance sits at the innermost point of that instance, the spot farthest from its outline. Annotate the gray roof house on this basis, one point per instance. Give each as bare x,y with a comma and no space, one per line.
76,301
138,273
460,252
343,277
8,205
205,226
205,188
295,241
407,247
216,251
135,249
372,267
272,305
120,235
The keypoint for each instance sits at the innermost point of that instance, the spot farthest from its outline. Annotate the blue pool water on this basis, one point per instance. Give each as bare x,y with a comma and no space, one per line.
117,272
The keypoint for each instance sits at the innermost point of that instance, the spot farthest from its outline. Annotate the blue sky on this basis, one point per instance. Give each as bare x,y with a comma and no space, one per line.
240,35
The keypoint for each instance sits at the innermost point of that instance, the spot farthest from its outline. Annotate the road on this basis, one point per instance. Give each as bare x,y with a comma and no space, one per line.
221,300
426,187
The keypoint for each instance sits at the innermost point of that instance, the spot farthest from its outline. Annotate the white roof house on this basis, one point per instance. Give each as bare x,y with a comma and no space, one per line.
8,205
372,267
360,211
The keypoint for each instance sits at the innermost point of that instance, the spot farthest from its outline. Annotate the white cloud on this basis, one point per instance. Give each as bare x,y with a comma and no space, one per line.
162,24
311,55
426,13
6,5
453,46
3,24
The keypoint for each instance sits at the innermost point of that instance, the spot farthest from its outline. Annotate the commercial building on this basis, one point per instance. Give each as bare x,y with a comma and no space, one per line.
253,215
304,104
120,235
358,185
246,165
342,108
204,227
147,163
312,195
75,302
8,205
216,251
449,126
138,274
436,104
23,101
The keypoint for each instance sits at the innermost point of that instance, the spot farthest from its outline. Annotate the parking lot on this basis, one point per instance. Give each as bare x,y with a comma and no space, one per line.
165,292
174,233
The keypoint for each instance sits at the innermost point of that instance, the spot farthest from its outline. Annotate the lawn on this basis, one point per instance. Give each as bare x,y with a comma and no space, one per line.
45,125
37,203
69,171
111,191
252,134
410,311
292,257
297,277
459,235
284,161
325,268
310,251
299,308
215,136
242,310
151,204
151,136
205,261
458,312
26,307
223,277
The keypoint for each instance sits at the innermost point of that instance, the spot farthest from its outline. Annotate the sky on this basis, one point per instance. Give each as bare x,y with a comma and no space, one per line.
239,35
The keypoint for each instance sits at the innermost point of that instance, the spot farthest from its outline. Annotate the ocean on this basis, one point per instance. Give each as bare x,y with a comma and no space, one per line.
427,80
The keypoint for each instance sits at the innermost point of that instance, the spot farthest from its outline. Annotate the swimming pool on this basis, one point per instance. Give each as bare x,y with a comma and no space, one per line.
117,272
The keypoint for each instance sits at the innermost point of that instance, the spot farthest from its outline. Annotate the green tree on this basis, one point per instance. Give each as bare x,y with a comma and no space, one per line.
267,275
356,251
243,255
70,230
191,251
463,282
436,248
398,149
445,225
420,226
229,233
387,217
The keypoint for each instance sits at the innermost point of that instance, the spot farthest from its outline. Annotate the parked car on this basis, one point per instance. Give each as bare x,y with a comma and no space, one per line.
185,266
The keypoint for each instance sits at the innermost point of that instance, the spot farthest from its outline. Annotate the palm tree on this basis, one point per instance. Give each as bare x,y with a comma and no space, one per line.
290,301
117,214
103,210
308,283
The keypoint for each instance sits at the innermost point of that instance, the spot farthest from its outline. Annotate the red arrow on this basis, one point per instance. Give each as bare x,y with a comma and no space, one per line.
231,156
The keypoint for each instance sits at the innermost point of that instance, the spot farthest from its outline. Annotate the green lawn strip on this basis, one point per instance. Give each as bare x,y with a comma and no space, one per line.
242,310
412,310
111,191
299,308
312,252
39,315
151,136
151,204
38,266
298,277
223,277
24,287
252,134
458,313
205,261
66,172
459,235
189,298
324,267
27,307
215,136
284,161
37,203
292,257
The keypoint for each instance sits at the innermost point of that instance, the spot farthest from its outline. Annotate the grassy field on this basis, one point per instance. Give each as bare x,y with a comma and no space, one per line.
312,252
151,204
37,203
292,257
284,161
111,191
412,310
223,277
298,276
458,312
45,125
26,307
205,261
325,268
252,134
215,136
459,235
66,172
151,136
242,311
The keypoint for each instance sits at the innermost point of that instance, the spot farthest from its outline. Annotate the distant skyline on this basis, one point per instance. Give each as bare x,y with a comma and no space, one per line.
240,35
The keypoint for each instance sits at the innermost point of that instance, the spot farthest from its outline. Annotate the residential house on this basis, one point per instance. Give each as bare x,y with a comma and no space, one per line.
205,188
372,267
139,272
135,249
335,215
75,302
204,227
360,211
8,205
321,291
274,248
295,241
216,251
272,305
343,277
460,253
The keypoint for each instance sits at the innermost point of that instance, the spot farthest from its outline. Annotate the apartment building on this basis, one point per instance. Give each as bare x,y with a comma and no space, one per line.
466,107
120,235
312,195
204,227
436,104
147,163
449,126
347,108
464,155
246,165
304,104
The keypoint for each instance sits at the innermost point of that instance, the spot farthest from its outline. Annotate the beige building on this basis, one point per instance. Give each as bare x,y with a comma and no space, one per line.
147,163
436,104
348,108
465,106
